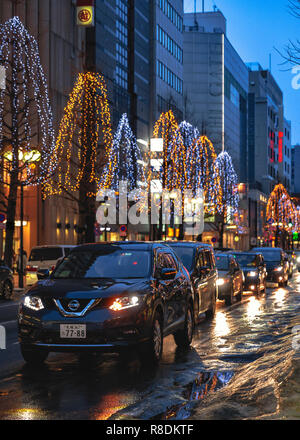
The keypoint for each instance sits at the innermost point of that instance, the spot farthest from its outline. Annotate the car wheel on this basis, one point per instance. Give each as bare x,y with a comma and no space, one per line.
210,313
229,298
152,351
33,356
183,338
7,290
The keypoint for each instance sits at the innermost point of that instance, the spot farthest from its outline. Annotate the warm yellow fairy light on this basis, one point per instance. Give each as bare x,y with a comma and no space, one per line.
77,145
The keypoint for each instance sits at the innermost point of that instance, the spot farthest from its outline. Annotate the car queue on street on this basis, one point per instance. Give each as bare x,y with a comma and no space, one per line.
112,297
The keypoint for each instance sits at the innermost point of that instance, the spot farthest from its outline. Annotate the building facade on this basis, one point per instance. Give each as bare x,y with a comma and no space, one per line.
295,177
269,152
61,46
167,54
216,86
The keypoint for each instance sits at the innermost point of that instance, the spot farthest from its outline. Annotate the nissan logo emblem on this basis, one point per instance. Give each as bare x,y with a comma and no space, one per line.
74,305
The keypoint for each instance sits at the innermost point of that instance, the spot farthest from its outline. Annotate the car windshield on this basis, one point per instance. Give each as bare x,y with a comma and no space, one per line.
106,263
44,254
186,255
246,260
222,262
270,256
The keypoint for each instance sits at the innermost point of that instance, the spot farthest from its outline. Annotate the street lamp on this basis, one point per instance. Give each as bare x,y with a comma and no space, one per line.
29,158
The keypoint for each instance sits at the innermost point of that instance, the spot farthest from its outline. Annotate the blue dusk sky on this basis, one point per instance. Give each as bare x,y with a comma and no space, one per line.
256,28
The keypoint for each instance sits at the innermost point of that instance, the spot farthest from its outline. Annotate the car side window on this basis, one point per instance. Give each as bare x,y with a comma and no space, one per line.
207,260
200,261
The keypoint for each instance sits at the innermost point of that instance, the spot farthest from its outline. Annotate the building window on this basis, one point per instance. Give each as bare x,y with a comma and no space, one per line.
167,42
171,13
164,73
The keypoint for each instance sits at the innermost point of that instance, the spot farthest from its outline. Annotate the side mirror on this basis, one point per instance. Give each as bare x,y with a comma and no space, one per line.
43,275
167,274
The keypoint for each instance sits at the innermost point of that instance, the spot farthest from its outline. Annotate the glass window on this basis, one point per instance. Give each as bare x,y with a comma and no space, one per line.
186,255
109,262
46,254
222,262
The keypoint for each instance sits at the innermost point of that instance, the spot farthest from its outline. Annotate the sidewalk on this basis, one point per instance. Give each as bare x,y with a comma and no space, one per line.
17,291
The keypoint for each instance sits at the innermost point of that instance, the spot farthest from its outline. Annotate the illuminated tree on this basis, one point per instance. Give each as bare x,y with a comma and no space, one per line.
224,170
173,171
82,148
281,212
124,161
26,125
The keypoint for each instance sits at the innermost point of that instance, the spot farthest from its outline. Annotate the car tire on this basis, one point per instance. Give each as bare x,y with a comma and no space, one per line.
210,313
229,299
33,356
151,351
239,295
7,290
183,338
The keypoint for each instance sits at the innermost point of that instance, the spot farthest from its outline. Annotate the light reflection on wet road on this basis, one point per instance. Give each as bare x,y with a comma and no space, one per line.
241,365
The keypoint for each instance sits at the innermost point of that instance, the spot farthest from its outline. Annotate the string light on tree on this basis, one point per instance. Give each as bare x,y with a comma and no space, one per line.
223,167
26,95
78,144
125,161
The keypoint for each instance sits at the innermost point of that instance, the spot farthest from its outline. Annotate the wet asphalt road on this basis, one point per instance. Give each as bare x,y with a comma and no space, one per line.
241,365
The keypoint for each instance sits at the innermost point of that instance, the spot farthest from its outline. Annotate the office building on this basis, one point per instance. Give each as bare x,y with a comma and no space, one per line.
60,41
295,176
216,86
167,54
269,151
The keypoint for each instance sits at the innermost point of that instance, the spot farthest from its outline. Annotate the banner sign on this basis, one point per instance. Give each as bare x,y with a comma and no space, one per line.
85,13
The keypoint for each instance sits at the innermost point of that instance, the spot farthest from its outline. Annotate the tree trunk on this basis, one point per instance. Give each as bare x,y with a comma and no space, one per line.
11,215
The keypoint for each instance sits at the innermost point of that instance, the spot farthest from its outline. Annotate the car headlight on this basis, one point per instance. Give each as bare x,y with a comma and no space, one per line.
278,269
222,281
124,303
33,303
252,273
298,259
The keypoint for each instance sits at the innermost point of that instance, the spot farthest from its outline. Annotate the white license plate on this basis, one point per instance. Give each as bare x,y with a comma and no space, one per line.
73,331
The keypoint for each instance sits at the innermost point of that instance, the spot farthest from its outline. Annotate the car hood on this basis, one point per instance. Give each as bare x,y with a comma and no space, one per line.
82,289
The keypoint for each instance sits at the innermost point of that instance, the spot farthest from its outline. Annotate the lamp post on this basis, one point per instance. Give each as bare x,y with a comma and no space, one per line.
31,158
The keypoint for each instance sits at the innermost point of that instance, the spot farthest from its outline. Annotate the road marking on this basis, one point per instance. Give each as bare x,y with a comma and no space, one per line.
8,322
9,305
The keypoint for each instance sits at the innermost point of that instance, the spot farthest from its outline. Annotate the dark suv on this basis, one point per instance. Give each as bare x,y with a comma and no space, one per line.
199,260
277,264
254,269
108,297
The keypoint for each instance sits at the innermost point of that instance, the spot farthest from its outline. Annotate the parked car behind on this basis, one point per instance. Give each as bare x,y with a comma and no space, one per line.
276,264
199,260
254,270
6,281
109,297
292,262
230,281
297,253
43,259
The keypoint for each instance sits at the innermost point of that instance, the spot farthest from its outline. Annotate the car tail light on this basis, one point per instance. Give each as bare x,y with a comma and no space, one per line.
31,268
